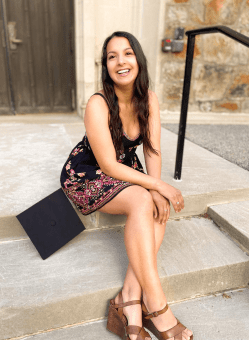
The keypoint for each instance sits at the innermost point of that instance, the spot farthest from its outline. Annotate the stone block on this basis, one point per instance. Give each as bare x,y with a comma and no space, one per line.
193,107
211,82
172,72
197,12
226,106
245,106
177,14
244,16
240,85
205,106
179,1
220,49
173,91
215,12
173,106
222,12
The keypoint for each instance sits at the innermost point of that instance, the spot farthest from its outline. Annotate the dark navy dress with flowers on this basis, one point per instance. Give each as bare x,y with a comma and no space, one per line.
86,185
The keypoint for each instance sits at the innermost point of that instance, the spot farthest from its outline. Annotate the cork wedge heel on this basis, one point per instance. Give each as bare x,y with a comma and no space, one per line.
117,322
174,332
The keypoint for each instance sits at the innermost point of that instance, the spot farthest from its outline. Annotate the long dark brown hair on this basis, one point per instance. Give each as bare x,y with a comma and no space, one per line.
140,97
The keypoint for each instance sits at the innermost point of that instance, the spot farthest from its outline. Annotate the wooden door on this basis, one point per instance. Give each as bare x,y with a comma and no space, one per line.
37,67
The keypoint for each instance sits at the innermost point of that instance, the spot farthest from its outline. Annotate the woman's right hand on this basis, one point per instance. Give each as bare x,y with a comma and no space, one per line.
173,194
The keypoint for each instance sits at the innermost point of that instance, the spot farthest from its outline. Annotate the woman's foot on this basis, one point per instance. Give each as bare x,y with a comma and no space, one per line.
164,321
133,313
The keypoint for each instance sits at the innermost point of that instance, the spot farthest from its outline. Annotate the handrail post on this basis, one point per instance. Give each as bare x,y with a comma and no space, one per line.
242,39
184,106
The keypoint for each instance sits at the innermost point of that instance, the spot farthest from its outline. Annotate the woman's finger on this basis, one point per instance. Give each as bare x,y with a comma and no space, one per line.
162,214
177,205
167,211
155,210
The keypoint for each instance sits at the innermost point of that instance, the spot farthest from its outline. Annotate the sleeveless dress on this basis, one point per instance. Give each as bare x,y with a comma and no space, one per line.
83,181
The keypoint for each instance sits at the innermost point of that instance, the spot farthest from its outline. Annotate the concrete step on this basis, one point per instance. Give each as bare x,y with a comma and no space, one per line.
75,284
217,317
234,219
35,149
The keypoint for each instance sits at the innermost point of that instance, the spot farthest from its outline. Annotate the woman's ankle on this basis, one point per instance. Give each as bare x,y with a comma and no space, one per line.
154,302
131,293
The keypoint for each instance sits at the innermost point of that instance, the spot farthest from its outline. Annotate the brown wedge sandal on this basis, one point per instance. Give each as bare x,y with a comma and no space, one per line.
174,332
117,322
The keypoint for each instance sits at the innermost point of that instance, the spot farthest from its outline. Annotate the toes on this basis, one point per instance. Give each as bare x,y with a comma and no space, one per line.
186,334
189,333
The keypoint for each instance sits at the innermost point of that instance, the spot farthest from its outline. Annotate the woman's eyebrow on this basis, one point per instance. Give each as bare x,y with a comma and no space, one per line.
124,50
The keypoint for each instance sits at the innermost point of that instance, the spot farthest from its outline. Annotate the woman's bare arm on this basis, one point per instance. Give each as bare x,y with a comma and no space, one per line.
154,162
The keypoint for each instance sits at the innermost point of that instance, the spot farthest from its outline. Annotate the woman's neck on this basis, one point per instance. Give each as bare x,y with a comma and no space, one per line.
124,95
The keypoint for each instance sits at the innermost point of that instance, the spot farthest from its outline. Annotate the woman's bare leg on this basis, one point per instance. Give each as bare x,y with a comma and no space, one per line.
132,289
136,203
131,284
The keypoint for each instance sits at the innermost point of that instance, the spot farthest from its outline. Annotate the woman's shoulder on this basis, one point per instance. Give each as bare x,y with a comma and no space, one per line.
152,96
97,101
153,100
97,97
96,107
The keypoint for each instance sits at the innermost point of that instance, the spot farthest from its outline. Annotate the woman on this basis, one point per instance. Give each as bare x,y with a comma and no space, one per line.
104,173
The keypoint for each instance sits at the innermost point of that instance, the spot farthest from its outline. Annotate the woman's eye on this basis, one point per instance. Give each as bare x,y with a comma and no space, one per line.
112,56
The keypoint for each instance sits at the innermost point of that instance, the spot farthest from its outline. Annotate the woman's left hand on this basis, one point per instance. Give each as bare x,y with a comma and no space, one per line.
161,207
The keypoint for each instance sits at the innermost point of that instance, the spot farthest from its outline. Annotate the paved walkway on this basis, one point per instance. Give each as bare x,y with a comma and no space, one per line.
227,141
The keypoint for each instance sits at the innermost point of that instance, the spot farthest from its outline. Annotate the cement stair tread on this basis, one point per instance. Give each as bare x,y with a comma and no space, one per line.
88,271
233,217
39,149
215,317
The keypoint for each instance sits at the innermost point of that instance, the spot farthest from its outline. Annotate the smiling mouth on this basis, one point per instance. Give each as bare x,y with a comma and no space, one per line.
123,71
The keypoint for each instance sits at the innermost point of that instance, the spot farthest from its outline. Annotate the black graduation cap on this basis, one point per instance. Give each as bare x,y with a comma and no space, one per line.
51,223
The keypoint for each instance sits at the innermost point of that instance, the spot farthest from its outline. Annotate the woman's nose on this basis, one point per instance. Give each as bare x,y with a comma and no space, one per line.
121,60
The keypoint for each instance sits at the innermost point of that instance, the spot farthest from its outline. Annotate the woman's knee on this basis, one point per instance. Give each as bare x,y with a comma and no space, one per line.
140,200
132,199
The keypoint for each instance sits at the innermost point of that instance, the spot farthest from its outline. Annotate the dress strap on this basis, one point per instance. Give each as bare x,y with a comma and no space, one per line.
100,94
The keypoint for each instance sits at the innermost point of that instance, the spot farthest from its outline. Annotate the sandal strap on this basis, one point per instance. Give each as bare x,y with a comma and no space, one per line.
121,305
174,331
148,315
129,303
139,331
124,304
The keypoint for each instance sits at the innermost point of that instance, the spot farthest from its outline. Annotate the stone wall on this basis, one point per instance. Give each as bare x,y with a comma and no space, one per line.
220,75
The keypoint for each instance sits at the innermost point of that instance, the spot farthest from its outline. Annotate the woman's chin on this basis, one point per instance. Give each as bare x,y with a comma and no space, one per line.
124,83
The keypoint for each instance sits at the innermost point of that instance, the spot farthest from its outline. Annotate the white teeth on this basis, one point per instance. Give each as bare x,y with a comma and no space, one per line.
123,71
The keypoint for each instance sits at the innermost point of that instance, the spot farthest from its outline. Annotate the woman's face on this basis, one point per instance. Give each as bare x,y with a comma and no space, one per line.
121,62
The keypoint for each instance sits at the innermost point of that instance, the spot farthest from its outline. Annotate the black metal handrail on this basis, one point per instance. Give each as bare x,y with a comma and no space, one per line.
187,79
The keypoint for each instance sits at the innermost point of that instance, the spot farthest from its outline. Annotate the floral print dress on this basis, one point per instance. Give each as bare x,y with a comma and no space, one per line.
86,185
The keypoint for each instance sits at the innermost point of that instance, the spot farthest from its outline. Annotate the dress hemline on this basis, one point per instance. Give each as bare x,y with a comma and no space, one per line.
100,202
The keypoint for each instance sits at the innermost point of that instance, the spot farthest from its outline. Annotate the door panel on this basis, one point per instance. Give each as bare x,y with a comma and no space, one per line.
42,65
4,93
19,56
